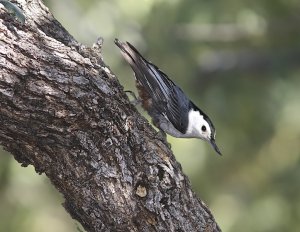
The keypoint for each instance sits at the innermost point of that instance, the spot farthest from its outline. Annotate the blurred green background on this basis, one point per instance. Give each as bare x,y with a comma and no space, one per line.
240,62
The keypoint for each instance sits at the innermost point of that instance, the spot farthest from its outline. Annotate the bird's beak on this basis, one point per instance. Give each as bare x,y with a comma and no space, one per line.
214,145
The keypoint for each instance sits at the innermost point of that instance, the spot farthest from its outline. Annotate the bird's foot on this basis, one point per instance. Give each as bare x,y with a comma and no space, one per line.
136,100
162,136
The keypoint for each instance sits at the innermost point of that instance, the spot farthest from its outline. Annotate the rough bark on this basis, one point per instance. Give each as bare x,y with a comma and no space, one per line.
65,113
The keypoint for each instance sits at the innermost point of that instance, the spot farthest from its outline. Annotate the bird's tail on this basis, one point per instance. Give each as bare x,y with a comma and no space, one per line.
131,55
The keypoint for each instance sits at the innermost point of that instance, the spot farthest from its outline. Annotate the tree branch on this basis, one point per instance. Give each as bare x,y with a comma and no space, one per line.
65,113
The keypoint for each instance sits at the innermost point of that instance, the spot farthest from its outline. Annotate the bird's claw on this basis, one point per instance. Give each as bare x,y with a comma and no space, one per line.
136,100
162,136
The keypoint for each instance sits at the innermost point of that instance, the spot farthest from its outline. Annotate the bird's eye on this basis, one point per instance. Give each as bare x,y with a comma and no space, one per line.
203,128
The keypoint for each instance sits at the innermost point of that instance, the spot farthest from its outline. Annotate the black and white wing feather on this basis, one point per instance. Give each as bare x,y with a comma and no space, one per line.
167,98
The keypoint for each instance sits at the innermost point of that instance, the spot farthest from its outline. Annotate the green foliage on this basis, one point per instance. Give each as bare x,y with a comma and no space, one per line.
239,61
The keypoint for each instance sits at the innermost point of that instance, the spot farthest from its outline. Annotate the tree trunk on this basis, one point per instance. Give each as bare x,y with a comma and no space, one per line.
64,112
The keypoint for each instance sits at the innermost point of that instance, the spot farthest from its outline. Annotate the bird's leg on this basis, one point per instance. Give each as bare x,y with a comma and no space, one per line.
162,136
136,100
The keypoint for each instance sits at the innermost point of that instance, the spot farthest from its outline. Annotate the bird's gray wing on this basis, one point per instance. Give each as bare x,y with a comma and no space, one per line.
177,104
167,98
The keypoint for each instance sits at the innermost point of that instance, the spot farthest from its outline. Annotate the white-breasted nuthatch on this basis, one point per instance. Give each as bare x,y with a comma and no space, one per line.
170,109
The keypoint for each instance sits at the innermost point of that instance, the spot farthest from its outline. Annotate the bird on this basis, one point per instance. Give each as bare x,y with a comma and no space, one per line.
170,109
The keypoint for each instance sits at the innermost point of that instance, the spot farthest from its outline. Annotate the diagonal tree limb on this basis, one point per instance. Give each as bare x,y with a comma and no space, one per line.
65,113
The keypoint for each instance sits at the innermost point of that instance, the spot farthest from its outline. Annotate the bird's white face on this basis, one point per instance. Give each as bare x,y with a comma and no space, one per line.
198,127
